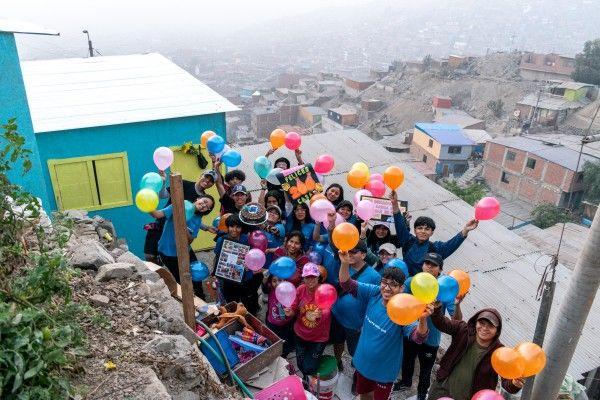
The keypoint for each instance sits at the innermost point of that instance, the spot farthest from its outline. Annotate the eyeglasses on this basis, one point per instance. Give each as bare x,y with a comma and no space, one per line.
390,284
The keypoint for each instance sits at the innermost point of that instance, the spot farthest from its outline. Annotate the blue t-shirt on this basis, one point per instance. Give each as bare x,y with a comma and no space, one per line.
332,265
435,336
306,229
378,355
166,243
275,241
348,310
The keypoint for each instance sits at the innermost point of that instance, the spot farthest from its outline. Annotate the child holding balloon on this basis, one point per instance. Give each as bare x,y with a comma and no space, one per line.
466,367
276,319
293,247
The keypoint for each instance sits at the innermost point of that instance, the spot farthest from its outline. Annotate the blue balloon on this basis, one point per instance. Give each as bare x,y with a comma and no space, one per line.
231,158
283,267
448,288
215,144
320,248
190,208
407,285
152,181
315,257
199,271
216,221
398,263
262,166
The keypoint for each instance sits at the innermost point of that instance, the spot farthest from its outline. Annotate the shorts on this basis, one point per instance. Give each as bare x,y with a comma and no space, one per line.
381,391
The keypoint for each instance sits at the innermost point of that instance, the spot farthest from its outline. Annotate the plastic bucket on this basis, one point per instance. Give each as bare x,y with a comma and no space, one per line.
326,388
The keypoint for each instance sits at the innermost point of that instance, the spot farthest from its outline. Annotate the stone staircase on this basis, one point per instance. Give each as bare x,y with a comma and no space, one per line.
470,174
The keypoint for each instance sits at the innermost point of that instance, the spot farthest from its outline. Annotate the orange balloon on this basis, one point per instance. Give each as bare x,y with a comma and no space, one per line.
508,363
534,356
222,222
404,308
204,138
277,138
357,178
323,272
317,197
464,281
345,236
393,177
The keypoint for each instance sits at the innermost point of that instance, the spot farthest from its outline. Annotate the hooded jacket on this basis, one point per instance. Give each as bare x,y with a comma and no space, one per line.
463,335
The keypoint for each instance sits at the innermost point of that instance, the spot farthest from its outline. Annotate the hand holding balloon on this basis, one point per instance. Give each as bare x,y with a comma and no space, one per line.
471,225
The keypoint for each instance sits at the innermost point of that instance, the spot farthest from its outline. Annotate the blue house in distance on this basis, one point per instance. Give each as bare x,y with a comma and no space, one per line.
94,124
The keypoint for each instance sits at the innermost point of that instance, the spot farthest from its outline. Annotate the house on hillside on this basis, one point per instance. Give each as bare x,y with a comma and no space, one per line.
312,115
94,123
355,85
546,67
342,117
454,116
264,120
444,148
534,170
546,108
575,91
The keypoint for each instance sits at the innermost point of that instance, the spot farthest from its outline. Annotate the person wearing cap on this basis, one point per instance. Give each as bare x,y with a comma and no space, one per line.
426,351
386,252
348,312
414,247
466,367
191,192
233,203
378,355
312,324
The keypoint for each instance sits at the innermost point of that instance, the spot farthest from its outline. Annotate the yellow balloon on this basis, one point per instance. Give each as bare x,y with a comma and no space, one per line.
204,138
146,200
424,287
361,166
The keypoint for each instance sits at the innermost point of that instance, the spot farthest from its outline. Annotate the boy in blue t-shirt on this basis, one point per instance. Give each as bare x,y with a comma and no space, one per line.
427,351
378,356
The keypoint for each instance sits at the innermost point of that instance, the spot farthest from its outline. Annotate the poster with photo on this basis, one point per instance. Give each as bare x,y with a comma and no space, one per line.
300,183
231,262
384,214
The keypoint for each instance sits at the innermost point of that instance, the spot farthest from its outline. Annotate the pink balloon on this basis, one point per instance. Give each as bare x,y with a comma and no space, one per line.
293,140
376,187
445,398
487,208
325,296
324,164
255,259
285,293
339,219
365,209
258,240
487,394
359,193
376,177
163,158
320,208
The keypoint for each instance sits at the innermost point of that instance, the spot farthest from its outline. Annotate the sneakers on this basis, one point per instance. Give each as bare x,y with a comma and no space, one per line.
400,387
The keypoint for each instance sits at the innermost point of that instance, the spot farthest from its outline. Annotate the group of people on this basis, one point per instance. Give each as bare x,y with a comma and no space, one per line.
383,352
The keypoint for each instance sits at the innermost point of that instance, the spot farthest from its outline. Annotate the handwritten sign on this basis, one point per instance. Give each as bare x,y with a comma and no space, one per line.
300,183
231,264
384,214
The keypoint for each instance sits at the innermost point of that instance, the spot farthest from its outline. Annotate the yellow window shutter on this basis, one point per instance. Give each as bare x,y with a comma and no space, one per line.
112,177
74,185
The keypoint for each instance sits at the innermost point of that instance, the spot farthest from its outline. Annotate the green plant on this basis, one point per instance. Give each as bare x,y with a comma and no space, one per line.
587,64
189,148
591,181
40,337
471,194
546,215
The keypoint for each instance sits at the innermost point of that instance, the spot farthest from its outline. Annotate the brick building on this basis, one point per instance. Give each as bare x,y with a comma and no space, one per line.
353,86
264,120
311,115
546,67
534,170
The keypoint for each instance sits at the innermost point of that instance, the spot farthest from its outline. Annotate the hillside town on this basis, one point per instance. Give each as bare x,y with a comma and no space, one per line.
423,228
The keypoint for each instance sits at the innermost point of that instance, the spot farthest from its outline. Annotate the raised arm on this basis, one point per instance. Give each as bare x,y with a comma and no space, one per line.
157,214
263,192
163,193
219,183
316,235
402,231
443,323
298,153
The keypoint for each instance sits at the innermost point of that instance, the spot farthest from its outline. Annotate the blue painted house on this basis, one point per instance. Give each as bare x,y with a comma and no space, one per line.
95,123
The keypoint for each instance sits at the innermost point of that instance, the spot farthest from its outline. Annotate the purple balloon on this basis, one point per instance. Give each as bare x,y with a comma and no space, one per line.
315,257
285,293
163,158
255,259
258,240
320,208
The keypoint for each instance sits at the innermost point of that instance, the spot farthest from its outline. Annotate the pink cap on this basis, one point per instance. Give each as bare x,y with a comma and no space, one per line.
310,269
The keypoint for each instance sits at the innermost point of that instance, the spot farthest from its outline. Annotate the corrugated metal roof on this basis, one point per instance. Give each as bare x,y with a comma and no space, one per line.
77,93
550,151
14,26
477,135
445,134
504,268
315,110
549,101
573,85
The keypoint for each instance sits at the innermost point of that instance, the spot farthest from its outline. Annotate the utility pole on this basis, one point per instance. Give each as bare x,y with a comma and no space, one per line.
573,313
90,47
183,245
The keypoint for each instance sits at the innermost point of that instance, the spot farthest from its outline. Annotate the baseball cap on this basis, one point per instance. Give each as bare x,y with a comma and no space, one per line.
360,246
434,258
490,316
310,269
239,189
210,173
388,248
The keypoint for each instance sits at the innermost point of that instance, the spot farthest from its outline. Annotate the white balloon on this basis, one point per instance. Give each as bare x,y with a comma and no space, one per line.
225,149
272,177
